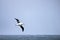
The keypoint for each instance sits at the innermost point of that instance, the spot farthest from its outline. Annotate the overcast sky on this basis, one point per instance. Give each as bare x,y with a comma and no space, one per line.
39,17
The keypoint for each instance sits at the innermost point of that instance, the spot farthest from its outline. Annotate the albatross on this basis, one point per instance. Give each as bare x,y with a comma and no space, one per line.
20,24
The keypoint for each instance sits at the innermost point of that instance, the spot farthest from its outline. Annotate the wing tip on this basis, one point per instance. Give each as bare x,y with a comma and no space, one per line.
14,18
22,30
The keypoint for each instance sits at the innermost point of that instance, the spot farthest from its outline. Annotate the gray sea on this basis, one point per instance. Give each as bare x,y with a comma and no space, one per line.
29,37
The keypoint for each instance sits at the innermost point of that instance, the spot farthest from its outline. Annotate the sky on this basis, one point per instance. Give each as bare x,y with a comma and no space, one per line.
40,17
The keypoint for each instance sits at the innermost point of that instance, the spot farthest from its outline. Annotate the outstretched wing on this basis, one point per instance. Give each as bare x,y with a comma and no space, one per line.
22,28
17,20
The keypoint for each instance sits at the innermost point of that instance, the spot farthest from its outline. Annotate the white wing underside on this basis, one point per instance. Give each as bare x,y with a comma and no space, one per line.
20,24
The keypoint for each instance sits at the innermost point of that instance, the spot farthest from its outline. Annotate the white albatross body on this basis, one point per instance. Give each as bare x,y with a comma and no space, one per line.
18,24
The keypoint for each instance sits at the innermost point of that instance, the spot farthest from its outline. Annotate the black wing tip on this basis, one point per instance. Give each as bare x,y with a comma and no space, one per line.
22,30
15,18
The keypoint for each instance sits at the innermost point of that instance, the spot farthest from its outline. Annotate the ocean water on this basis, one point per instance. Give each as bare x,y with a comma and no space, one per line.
29,37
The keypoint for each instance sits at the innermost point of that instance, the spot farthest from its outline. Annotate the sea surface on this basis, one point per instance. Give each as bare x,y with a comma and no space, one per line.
29,37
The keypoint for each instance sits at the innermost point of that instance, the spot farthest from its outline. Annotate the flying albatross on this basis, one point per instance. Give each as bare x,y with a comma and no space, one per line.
20,24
